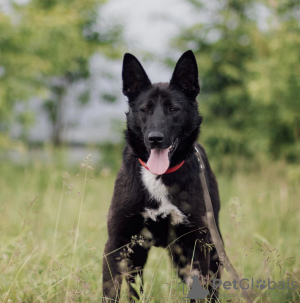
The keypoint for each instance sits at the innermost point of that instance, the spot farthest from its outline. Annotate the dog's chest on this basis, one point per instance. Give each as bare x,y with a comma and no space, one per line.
159,192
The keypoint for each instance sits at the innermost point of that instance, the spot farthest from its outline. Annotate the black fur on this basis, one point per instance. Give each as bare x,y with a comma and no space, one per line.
172,110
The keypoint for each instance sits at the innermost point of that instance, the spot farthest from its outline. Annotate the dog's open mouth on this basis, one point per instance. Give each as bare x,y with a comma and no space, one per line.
159,160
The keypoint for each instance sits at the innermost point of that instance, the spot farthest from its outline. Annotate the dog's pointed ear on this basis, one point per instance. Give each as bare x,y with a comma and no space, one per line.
185,75
134,77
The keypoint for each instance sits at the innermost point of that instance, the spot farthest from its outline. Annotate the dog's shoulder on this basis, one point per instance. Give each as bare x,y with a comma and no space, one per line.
128,189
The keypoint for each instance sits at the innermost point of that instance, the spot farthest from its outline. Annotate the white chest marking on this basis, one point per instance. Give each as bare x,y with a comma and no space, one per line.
159,192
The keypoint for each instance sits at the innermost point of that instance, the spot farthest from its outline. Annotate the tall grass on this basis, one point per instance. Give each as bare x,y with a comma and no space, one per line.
53,231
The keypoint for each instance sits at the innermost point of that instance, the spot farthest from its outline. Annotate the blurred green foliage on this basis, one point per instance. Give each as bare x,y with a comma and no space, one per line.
44,47
249,66
111,155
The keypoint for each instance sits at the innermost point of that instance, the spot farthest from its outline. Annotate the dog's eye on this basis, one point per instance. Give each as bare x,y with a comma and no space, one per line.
145,110
174,110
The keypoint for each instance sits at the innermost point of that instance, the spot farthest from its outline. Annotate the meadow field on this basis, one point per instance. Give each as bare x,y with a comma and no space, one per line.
53,232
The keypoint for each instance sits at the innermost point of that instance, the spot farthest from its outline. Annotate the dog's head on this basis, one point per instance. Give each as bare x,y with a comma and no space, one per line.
163,120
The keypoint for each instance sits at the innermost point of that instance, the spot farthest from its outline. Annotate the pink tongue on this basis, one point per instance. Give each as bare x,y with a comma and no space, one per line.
158,161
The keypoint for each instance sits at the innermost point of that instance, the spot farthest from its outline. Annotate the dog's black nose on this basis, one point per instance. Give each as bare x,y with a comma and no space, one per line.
155,137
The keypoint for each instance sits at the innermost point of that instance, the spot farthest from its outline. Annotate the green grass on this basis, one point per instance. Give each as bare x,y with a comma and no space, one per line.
53,231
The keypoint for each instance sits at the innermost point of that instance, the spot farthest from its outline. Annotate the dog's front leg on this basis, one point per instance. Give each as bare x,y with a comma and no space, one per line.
127,261
137,261
112,277
191,255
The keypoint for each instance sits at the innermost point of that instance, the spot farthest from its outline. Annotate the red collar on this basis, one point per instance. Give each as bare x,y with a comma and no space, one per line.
169,170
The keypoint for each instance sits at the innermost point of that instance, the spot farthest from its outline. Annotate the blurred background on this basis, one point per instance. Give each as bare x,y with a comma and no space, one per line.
60,70
60,100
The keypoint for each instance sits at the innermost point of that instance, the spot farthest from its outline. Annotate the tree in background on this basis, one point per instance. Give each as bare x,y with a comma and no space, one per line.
248,54
274,84
46,47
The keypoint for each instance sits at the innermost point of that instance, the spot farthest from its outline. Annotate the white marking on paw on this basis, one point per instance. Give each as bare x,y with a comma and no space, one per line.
189,279
159,192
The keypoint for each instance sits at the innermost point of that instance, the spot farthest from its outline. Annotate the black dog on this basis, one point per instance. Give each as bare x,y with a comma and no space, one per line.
158,197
